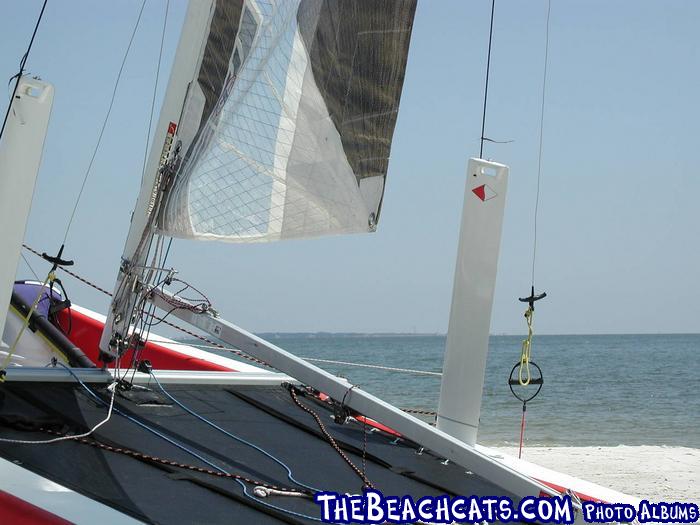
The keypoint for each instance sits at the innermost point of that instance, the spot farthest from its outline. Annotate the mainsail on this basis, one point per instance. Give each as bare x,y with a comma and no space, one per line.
287,126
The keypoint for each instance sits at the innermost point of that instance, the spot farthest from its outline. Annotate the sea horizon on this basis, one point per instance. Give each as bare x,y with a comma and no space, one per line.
599,389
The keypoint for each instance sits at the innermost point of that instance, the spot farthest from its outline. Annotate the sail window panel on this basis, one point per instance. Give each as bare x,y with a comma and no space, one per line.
308,92
247,31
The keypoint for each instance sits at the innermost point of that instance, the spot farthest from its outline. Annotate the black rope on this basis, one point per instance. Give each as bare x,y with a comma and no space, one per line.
22,63
333,443
147,458
486,86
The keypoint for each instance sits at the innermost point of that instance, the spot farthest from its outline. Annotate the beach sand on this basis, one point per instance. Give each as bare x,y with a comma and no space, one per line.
648,472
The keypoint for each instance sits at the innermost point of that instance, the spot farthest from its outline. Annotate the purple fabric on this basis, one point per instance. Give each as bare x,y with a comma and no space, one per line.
28,292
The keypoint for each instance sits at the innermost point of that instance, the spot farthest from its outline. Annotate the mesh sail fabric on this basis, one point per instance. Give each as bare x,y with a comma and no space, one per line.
287,128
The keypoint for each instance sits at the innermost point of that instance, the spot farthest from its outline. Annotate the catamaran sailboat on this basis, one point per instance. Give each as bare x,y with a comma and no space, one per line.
276,124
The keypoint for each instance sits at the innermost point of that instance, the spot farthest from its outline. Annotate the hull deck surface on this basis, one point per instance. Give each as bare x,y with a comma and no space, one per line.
263,415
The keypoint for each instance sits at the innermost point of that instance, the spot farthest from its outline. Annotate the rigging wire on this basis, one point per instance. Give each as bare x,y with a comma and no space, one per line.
525,353
486,86
377,367
104,123
22,63
211,343
539,157
529,313
49,276
30,267
57,261
141,312
155,87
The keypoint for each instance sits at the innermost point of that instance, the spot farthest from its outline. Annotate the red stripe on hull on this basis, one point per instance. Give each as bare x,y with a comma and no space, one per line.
85,333
19,512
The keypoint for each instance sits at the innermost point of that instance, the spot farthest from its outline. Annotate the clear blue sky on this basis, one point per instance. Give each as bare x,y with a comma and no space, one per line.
619,243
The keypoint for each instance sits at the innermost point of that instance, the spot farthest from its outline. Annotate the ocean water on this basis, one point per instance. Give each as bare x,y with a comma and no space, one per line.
600,390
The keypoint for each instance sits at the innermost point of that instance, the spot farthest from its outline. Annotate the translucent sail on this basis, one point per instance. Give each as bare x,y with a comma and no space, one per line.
287,128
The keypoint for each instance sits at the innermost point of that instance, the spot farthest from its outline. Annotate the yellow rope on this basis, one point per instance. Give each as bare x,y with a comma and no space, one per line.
6,362
525,350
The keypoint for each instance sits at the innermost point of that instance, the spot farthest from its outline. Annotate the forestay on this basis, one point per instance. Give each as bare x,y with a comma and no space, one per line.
286,129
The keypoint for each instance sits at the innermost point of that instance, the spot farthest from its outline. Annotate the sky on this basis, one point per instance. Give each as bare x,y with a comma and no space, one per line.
618,237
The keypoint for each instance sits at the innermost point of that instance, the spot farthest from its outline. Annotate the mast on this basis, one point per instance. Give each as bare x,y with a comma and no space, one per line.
141,230
472,300
20,157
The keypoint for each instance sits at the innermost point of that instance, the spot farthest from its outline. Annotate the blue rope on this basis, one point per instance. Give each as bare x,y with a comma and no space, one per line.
143,425
237,438
185,449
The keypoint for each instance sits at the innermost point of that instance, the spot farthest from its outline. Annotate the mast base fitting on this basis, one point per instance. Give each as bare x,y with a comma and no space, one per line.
114,350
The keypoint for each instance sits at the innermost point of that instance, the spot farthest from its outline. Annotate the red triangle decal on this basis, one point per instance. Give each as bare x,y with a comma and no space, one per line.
480,191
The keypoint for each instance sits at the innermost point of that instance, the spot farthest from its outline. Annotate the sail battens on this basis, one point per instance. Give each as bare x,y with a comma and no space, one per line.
293,107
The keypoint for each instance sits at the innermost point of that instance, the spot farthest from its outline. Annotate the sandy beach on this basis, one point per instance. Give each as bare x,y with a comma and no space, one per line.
651,472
